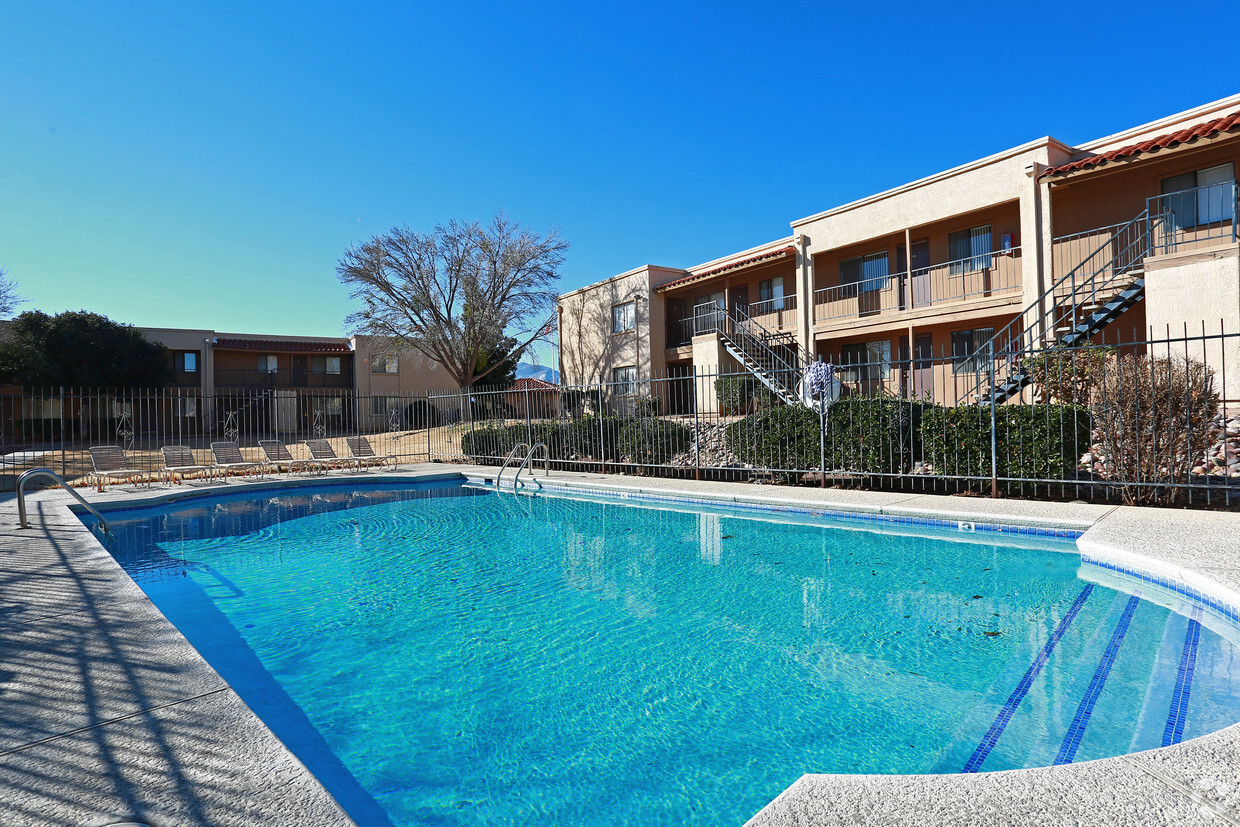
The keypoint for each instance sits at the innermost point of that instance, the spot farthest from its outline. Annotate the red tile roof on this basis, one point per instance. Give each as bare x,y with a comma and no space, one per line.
770,255
283,345
1228,123
529,383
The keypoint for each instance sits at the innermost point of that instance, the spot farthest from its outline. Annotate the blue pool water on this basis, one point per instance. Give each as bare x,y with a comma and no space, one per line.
440,654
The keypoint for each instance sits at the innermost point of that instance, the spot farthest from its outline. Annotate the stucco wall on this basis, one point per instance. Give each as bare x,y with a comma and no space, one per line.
1184,290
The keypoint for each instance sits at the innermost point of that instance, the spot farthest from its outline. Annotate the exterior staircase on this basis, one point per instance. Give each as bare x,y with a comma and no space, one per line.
775,359
1078,306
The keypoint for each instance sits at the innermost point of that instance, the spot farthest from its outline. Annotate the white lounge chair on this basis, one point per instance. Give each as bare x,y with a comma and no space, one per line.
228,458
109,461
359,447
322,450
277,454
179,460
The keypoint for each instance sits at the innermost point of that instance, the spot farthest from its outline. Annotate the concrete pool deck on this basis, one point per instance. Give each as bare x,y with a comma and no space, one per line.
109,715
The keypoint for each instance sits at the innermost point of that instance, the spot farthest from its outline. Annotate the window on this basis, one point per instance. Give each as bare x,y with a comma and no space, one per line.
622,318
186,406
966,343
187,361
267,364
385,363
704,309
969,250
1212,199
872,361
325,364
625,380
327,405
868,272
772,290
43,408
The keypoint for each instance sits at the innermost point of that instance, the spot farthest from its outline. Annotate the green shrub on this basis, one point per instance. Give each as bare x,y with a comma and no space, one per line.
621,439
736,392
1034,441
868,435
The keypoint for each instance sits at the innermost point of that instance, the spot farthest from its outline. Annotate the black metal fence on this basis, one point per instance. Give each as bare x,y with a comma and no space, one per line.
1151,421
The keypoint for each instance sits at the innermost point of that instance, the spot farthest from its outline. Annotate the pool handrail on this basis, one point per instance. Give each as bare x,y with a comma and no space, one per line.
511,456
48,472
546,457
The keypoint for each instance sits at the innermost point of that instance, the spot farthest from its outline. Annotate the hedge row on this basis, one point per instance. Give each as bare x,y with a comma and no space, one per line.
635,439
882,435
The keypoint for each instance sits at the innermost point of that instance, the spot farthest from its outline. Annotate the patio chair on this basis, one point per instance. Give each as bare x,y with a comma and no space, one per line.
228,458
359,447
277,454
179,459
322,450
110,461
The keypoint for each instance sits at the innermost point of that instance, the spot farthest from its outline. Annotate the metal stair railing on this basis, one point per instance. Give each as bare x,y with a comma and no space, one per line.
753,346
1090,284
508,459
48,472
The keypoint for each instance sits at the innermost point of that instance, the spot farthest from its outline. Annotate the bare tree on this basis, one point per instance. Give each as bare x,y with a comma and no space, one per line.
9,298
454,294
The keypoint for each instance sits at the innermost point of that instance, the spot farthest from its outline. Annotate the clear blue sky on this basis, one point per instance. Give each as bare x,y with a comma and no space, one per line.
206,164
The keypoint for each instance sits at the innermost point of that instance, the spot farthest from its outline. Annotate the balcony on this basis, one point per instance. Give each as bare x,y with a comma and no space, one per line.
775,314
967,279
284,378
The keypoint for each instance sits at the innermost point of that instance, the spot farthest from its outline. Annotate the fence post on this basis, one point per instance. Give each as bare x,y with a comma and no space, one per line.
529,429
602,450
427,411
994,433
62,431
697,430
822,440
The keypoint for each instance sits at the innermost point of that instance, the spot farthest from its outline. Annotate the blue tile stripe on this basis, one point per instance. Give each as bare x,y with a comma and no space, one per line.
1227,610
991,738
1174,732
1076,731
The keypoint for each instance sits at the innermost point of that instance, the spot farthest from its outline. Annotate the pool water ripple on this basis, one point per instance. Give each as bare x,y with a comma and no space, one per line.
479,658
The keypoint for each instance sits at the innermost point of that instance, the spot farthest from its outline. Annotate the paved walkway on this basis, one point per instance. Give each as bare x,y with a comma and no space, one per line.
107,714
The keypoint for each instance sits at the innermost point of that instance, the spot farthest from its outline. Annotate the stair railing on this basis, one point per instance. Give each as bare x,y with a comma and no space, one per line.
1033,328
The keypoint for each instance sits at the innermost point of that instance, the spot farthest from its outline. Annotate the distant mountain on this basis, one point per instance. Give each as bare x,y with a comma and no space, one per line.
547,374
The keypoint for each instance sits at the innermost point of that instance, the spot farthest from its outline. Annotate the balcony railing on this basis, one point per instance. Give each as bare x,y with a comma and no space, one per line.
283,378
775,314
1068,251
954,281
1181,221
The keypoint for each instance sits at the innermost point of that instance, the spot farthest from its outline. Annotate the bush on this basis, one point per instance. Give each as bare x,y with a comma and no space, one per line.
1068,377
619,439
1039,442
736,392
1154,417
867,435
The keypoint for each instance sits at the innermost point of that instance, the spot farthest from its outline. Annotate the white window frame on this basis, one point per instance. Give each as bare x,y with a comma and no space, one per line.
328,363
623,317
268,363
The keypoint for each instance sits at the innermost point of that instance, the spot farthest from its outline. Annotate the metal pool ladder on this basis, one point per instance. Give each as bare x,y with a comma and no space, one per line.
48,472
516,480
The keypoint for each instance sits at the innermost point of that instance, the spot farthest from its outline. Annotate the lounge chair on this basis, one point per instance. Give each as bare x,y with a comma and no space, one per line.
228,458
277,454
179,459
359,447
322,450
109,461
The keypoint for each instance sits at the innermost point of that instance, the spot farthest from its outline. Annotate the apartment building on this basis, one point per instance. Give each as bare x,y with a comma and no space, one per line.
308,377
1040,244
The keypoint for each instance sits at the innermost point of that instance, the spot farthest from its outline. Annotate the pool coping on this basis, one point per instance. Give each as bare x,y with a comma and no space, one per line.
1191,783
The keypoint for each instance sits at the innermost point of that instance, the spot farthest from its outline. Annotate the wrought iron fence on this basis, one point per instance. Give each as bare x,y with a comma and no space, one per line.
1155,420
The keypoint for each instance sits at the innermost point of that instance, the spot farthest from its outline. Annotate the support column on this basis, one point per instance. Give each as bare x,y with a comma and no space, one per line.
805,293
1035,244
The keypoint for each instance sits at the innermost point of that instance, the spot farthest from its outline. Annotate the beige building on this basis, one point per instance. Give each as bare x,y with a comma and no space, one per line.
1041,244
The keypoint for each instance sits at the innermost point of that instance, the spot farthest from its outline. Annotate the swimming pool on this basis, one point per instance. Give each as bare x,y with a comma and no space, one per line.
445,654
